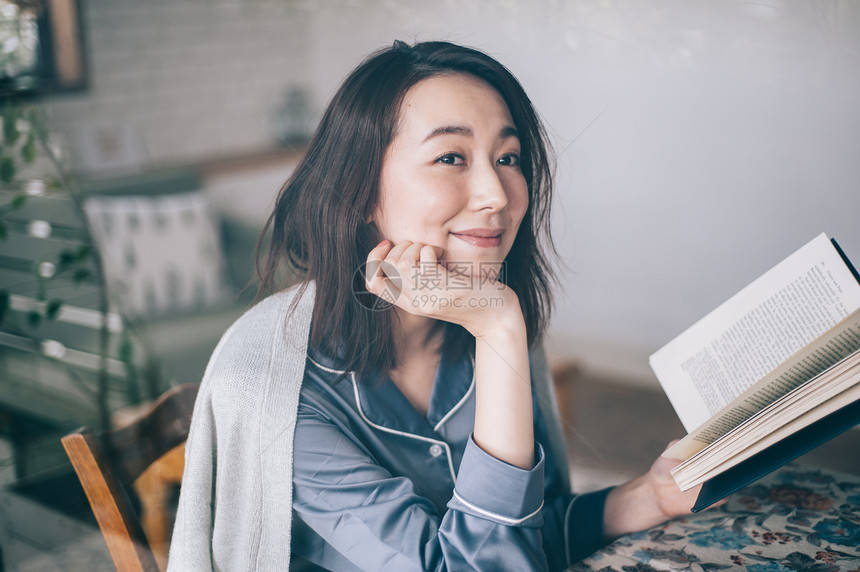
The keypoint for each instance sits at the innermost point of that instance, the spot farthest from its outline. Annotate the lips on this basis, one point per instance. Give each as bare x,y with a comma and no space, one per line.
483,237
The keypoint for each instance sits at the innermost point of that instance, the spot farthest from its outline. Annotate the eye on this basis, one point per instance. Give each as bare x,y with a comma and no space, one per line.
510,160
451,159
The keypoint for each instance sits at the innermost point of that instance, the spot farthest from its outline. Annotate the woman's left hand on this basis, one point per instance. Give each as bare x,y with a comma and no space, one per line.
648,500
671,501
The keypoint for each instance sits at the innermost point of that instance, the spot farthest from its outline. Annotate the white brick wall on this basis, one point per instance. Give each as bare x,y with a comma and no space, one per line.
196,78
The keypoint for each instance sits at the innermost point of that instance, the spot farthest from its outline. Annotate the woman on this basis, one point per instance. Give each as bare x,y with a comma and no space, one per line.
414,435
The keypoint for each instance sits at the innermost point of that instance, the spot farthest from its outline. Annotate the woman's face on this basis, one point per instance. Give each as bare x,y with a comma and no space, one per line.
451,177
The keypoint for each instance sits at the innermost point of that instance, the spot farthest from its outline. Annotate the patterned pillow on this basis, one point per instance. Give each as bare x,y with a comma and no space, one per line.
161,254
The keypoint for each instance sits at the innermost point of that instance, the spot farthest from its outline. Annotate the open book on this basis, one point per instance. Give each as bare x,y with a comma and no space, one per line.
768,375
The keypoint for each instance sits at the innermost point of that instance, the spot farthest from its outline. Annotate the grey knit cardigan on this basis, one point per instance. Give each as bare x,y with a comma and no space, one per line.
235,505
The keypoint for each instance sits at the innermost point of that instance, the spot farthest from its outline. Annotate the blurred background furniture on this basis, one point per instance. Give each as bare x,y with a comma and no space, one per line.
148,452
178,270
162,320
564,374
60,370
799,518
63,350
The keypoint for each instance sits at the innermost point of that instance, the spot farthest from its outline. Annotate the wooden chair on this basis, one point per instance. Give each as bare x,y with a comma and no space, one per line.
108,463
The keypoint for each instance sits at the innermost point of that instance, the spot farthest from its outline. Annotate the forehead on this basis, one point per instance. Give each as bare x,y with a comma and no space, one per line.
452,99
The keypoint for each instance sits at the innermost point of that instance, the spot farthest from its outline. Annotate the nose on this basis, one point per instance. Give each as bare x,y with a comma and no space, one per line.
488,191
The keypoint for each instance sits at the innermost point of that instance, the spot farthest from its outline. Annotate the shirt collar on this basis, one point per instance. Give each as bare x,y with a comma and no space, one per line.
453,383
382,403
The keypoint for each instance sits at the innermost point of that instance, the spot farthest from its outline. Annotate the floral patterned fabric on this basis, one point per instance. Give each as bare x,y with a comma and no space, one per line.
798,518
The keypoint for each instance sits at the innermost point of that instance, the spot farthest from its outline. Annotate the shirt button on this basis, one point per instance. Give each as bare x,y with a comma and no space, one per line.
435,450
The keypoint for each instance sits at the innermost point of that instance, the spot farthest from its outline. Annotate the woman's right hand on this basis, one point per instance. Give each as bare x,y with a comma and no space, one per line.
419,284
410,276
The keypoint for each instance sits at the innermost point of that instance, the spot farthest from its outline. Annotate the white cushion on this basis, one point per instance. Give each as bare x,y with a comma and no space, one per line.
161,254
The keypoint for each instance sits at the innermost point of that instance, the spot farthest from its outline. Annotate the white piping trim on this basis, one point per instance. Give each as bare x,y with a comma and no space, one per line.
567,531
443,444
504,519
328,369
461,402
447,416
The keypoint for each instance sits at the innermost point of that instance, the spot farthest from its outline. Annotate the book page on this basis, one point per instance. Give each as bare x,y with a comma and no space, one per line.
743,453
836,344
741,341
834,381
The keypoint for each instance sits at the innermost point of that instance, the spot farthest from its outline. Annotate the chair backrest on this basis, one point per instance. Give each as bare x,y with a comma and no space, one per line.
107,464
60,367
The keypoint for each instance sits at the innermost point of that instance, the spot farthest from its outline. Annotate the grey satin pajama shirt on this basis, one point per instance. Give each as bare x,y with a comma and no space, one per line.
378,486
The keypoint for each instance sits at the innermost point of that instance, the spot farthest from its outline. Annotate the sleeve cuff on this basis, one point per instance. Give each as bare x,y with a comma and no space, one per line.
491,489
583,524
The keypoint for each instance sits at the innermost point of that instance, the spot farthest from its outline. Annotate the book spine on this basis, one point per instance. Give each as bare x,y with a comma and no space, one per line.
845,260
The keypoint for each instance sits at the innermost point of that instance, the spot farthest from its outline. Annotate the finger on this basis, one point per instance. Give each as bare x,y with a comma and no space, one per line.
380,251
376,256
395,253
430,254
401,264
428,263
388,290
412,253
408,261
382,285
373,266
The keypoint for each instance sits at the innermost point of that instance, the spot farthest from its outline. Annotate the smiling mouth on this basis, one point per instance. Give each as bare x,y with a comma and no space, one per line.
482,237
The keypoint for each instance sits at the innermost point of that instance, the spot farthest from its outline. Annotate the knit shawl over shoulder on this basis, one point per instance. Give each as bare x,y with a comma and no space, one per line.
235,506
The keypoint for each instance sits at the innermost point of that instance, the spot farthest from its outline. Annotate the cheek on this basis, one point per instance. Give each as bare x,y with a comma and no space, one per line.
519,204
418,213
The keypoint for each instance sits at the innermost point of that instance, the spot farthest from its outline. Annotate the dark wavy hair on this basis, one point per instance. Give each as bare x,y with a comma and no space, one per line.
319,224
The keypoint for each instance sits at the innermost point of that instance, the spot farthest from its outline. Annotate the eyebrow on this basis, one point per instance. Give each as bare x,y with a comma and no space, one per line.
507,131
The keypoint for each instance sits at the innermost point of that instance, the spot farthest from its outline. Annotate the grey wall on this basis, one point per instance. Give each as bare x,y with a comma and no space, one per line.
196,79
699,142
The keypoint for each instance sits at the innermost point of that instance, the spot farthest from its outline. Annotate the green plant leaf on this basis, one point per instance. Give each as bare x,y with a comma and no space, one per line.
53,309
7,169
5,304
84,253
18,201
28,151
66,258
126,351
10,126
81,275
34,318
3,231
